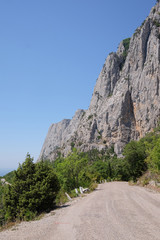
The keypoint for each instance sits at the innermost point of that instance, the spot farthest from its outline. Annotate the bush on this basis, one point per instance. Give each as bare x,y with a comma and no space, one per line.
93,186
156,23
154,10
90,117
126,43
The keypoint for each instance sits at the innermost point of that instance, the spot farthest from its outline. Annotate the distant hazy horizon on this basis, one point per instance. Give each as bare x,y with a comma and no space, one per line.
5,171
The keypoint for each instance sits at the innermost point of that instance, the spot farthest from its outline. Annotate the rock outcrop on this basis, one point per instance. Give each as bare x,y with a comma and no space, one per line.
125,104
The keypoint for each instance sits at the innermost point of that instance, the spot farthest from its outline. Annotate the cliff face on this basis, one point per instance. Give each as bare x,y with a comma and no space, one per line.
125,104
59,135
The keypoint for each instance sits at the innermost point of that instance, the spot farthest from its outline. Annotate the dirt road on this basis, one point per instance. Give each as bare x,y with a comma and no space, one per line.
115,211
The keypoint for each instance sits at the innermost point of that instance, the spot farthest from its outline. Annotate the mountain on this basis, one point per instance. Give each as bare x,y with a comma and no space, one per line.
125,104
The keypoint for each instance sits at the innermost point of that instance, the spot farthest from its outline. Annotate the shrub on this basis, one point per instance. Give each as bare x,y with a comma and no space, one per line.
154,10
99,137
93,186
126,43
72,145
156,23
90,117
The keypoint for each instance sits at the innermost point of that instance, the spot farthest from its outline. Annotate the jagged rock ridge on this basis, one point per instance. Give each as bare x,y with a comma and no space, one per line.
125,104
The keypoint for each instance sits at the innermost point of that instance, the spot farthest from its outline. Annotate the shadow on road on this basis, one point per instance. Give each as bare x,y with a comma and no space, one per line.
63,206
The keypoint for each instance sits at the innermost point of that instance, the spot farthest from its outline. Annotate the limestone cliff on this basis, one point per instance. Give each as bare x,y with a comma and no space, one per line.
125,104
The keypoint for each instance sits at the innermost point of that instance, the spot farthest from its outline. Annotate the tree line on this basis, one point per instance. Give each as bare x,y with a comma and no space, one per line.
38,187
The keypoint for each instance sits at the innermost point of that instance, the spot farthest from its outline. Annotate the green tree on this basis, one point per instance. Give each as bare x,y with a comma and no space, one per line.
70,170
135,156
33,190
119,168
46,187
153,158
2,213
101,169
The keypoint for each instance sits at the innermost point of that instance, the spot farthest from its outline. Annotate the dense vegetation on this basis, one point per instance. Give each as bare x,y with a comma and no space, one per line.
33,190
82,169
1,205
35,187
9,176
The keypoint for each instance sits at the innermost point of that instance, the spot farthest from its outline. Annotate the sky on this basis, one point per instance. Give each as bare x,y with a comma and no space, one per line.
51,53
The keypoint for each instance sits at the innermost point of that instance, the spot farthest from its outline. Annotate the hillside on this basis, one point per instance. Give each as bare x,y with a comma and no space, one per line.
125,104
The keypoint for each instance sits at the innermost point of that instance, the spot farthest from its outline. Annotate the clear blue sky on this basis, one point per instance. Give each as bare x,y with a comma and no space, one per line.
51,53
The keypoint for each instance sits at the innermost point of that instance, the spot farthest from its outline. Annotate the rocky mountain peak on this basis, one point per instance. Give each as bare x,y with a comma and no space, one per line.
125,103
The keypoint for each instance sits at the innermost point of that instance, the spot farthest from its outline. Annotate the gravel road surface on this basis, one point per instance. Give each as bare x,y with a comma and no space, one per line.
115,211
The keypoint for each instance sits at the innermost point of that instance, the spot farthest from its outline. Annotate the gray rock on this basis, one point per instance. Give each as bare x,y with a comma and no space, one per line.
152,183
157,184
4,182
58,135
125,103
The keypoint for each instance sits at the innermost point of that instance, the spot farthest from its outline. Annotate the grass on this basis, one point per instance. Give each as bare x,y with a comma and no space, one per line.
8,226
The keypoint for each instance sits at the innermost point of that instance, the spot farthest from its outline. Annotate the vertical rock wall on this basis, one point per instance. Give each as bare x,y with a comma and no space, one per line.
125,102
